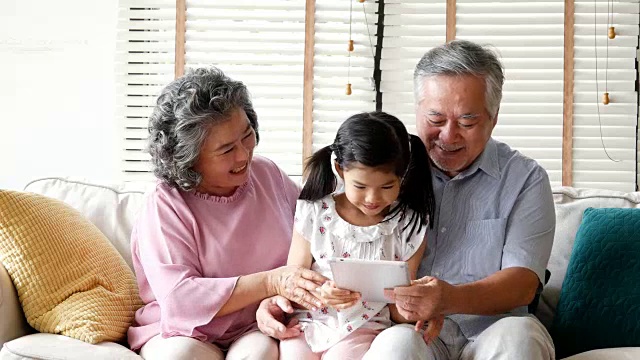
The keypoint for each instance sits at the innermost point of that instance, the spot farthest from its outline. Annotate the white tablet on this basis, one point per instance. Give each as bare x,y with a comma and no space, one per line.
369,277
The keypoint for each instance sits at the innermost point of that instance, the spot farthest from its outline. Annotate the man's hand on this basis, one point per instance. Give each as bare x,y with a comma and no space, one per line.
336,297
271,317
434,326
424,299
297,284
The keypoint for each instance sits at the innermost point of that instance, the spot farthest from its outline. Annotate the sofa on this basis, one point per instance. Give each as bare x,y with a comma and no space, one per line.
113,210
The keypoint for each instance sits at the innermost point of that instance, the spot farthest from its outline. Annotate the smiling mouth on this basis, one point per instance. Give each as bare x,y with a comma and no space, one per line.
449,150
239,170
371,207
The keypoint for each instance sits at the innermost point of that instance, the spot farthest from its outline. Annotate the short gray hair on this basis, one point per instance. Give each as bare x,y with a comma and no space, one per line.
461,57
185,111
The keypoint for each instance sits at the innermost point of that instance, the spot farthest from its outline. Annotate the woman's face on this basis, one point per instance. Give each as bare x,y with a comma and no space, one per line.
225,158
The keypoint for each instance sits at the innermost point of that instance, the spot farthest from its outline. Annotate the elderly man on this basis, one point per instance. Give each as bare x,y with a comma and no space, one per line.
494,224
492,230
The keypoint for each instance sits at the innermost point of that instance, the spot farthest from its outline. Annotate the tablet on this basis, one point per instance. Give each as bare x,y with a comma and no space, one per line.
369,277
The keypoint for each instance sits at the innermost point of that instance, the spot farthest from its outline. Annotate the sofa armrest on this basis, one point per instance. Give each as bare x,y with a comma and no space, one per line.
12,321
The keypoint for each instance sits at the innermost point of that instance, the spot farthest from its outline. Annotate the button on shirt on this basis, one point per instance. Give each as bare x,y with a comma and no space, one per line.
497,214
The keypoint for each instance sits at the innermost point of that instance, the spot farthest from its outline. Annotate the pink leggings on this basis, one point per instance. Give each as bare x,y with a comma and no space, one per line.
353,347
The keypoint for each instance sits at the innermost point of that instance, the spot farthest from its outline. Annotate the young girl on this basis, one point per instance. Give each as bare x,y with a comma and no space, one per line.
382,214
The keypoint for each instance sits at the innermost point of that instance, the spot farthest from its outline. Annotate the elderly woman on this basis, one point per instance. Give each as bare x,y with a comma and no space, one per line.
213,237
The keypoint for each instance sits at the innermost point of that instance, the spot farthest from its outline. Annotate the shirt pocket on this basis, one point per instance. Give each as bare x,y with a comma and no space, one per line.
482,248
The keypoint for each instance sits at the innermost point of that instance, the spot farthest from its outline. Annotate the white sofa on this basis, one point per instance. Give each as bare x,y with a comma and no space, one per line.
113,208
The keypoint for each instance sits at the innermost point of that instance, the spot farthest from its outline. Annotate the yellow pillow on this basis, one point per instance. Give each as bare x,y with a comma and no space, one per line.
69,278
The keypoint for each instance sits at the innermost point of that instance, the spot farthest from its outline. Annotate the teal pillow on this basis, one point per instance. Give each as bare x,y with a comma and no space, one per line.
599,305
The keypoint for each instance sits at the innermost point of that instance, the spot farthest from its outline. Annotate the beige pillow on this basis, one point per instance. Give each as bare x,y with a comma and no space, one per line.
69,278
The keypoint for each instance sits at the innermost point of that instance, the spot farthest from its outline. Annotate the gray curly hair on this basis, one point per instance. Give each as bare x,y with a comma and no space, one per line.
461,57
185,111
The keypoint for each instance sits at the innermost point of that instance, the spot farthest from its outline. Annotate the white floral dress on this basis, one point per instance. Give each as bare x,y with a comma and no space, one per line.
331,236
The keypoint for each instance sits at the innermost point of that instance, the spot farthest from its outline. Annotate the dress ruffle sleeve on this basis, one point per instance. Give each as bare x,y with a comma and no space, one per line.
305,218
410,244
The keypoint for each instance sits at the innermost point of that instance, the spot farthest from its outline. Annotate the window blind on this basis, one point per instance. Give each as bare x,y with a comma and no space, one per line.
145,53
262,45
615,61
411,28
529,38
331,105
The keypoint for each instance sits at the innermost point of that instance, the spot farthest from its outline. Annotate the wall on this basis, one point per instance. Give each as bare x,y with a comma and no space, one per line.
57,96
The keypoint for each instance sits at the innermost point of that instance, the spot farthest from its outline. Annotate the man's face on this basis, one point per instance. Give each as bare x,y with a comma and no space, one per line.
453,122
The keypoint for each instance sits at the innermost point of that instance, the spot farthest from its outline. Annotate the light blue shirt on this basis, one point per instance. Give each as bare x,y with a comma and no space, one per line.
496,214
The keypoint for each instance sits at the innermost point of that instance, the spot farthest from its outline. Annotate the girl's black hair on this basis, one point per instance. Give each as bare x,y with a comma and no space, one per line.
377,139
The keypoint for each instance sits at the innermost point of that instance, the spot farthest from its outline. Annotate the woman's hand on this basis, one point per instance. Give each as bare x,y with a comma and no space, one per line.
297,284
434,326
271,318
336,297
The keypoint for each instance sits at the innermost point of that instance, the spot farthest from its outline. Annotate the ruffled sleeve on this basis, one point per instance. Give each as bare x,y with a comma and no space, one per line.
303,222
291,190
168,253
409,244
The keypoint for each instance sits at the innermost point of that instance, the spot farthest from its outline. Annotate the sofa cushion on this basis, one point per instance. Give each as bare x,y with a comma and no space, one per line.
111,207
599,304
570,203
58,347
631,353
69,278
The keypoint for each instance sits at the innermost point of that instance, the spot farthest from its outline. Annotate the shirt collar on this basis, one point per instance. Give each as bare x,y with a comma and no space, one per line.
487,162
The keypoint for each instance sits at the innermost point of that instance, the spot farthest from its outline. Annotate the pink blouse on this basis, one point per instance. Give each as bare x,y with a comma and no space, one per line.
189,250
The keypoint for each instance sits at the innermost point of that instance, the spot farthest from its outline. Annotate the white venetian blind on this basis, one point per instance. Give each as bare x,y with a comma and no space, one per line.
616,71
331,106
411,28
144,64
529,38
262,45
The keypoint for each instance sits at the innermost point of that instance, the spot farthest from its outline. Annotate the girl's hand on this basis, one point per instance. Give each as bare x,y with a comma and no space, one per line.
336,297
434,326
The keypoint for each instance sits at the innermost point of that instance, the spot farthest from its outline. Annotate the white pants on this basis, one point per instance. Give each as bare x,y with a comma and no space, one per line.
250,346
523,338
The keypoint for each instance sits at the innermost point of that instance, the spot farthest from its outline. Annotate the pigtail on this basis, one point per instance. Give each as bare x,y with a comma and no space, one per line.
417,187
416,192
319,178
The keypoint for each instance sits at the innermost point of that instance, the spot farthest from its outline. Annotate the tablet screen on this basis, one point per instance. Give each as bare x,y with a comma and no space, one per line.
369,277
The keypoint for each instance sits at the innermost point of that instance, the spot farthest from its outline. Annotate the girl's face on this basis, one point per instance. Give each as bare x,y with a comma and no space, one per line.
370,189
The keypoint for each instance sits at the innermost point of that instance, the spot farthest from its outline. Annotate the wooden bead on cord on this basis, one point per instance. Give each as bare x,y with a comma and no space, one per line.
605,98
350,45
612,32
348,92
